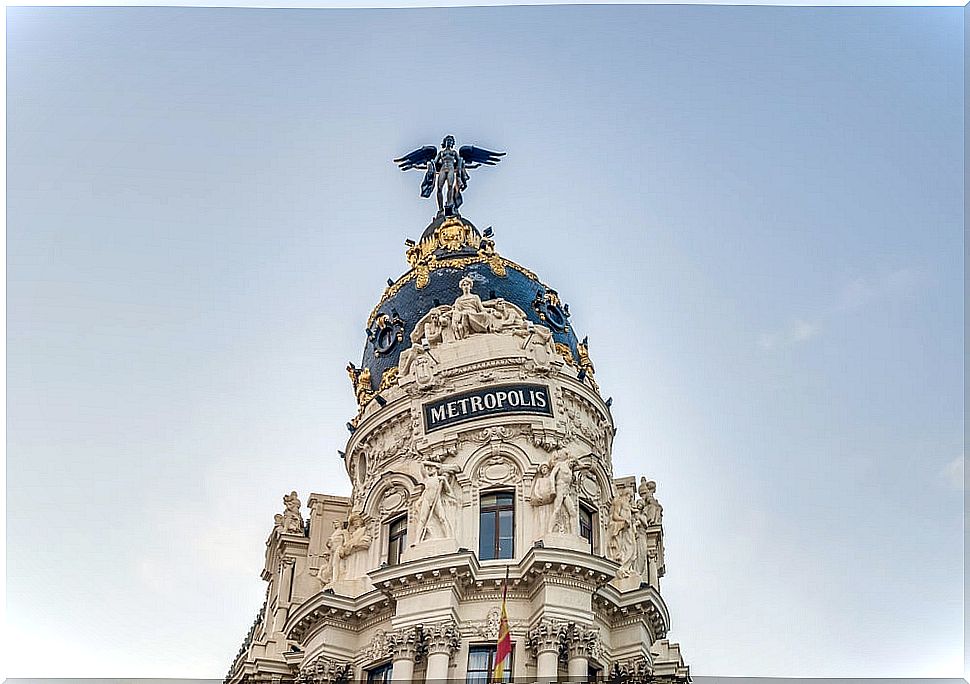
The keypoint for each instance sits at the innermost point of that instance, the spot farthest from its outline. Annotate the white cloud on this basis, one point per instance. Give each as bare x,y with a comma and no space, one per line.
856,294
798,330
953,473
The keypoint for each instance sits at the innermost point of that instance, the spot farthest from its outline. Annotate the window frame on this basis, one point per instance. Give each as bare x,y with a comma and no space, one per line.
393,536
495,510
385,669
585,506
491,649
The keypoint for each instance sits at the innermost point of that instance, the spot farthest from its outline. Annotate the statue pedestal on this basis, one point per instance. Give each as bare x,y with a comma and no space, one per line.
626,583
558,540
351,588
429,548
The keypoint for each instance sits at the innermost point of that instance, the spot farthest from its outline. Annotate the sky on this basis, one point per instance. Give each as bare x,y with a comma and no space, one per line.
755,213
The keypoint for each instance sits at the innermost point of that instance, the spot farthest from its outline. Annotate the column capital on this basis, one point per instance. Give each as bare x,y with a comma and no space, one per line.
633,670
441,637
324,670
404,643
581,641
547,636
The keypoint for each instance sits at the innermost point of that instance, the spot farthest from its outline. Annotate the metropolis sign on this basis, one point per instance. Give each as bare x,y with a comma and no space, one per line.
459,408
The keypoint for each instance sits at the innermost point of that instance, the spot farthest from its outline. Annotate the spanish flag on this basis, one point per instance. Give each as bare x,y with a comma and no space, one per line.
503,648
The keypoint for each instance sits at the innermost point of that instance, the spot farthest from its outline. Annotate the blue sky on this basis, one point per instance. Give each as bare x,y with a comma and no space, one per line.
755,213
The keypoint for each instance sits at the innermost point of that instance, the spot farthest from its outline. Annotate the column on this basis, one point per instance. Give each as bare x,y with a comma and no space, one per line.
580,641
404,648
545,640
441,641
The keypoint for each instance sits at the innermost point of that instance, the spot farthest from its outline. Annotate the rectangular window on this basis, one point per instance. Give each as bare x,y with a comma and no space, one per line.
397,539
380,674
586,524
496,529
481,663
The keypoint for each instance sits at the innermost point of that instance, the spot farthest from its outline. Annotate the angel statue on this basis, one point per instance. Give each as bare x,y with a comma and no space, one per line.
447,170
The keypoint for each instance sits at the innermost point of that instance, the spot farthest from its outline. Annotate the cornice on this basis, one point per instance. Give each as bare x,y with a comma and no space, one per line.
344,612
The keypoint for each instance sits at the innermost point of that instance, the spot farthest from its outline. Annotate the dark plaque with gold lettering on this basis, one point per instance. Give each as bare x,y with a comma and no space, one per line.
459,408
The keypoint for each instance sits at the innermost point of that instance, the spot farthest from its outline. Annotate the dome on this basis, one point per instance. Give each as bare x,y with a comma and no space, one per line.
449,249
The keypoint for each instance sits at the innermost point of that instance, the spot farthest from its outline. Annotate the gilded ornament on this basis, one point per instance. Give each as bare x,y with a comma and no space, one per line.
389,379
452,235
566,353
422,271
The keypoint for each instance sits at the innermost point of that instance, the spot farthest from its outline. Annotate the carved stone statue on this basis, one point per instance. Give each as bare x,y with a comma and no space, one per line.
438,504
338,538
505,316
621,541
292,518
447,170
641,523
278,523
565,505
468,315
543,494
653,511
358,538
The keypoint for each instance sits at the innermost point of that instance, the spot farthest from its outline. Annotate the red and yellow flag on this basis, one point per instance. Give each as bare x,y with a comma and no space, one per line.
503,648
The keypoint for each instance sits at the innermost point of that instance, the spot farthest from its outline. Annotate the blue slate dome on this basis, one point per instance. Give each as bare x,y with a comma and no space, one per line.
449,249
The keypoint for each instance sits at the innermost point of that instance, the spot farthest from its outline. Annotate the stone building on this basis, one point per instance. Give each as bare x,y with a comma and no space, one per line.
482,445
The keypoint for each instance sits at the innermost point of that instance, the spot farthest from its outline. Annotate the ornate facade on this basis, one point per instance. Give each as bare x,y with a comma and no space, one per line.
481,443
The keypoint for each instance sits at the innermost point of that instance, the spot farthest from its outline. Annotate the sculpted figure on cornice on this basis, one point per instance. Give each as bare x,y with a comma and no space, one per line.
653,511
557,486
469,316
438,503
345,539
292,521
648,516
621,539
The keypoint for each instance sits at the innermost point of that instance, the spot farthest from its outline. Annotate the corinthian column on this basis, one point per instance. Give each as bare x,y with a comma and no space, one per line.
403,645
580,641
441,641
545,640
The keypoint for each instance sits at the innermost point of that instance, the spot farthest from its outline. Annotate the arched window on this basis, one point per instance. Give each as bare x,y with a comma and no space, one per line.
496,525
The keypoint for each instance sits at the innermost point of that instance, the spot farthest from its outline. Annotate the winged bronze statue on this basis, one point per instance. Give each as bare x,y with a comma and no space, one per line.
447,169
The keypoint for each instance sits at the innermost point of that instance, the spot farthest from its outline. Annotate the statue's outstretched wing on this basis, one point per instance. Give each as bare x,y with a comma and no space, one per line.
418,159
479,156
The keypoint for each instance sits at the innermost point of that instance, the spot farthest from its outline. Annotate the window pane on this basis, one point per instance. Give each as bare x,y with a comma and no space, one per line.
505,534
486,537
478,659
